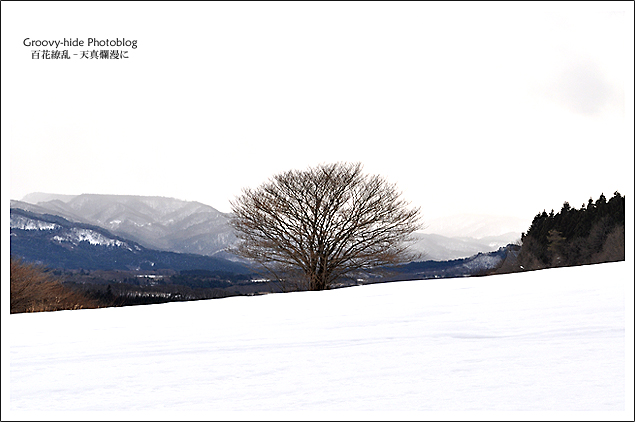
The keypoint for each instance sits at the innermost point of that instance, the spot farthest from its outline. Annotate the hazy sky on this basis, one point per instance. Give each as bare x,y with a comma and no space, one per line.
481,108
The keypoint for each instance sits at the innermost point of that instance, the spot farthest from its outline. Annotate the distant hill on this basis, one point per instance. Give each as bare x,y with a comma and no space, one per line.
479,264
36,197
56,242
155,222
441,248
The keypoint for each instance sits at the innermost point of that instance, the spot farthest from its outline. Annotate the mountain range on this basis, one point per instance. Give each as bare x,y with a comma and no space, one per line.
160,223
174,225
56,242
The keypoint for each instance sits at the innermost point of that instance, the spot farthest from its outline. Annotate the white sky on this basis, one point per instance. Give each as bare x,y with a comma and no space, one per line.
481,108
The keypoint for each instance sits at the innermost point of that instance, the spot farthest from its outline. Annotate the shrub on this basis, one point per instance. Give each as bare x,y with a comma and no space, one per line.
35,290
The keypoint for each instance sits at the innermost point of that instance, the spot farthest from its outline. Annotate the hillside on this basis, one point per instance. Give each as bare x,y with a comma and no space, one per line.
155,222
550,340
55,242
436,247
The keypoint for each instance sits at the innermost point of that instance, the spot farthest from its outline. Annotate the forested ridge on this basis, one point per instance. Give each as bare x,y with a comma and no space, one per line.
589,235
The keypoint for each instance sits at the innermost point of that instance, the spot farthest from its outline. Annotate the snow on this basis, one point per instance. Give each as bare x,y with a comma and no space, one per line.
74,236
25,223
483,262
550,340
84,235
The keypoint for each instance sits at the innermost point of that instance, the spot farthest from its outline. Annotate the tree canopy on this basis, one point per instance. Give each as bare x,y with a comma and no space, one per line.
312,227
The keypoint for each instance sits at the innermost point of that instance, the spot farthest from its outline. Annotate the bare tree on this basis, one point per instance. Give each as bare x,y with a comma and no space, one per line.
323,223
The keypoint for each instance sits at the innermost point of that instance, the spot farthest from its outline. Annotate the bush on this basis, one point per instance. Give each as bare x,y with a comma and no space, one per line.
35,290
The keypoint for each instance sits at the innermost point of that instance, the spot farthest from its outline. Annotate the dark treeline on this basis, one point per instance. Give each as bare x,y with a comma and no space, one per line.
35,288
589,235
121,288
124,294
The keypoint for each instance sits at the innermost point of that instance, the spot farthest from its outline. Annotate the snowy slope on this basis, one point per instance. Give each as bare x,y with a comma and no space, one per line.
545,340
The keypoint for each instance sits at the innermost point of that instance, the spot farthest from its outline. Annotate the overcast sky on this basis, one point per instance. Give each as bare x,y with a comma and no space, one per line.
469,108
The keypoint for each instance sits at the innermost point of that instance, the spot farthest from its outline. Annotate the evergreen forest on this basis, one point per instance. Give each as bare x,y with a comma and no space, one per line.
589,235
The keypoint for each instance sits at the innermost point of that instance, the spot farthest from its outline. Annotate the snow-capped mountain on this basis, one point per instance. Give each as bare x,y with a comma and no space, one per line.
155,222
58,243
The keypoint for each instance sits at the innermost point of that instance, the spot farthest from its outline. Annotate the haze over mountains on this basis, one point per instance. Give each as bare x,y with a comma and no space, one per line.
476,226
464,235
174,225
166,224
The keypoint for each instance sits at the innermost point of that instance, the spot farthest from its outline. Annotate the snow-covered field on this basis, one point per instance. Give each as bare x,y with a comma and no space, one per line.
546,340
